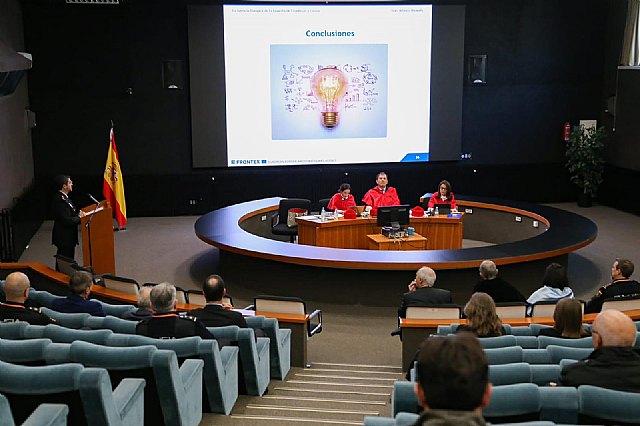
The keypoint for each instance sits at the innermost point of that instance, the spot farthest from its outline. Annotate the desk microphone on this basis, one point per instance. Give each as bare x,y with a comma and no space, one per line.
93,199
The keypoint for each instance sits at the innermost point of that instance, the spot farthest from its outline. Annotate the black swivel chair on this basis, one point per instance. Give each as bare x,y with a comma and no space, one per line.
324,203
279,220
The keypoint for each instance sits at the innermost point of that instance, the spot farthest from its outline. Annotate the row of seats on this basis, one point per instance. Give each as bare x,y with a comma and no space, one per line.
172,393
43,415
530,402
219,377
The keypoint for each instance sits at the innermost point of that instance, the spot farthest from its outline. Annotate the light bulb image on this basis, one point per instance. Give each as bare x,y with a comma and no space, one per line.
329,85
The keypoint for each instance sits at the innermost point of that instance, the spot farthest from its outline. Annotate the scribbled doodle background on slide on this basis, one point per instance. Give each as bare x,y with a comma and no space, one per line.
296,113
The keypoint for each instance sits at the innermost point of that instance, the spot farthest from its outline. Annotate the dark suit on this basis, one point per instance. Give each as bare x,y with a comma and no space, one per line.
14,311
171,326
610,367
424,296
217,316
65,225
499,290
74,304
619,288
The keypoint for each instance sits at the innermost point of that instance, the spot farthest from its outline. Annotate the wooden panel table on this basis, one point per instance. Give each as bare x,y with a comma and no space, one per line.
441,232
412,242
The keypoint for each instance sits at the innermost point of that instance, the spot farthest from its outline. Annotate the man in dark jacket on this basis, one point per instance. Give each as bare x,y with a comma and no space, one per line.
490,283
216,313
144,306
80,284
614,364
66,218
620,286
453,381
422,293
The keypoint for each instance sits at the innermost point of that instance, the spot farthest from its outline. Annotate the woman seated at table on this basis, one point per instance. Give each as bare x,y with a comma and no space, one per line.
568,321
443,196
343,199
555,285
482,318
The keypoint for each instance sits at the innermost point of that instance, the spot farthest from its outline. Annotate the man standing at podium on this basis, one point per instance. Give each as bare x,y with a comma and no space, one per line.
381,194
66,219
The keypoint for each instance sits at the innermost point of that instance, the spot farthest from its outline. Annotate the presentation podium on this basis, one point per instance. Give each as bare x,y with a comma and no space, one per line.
97,238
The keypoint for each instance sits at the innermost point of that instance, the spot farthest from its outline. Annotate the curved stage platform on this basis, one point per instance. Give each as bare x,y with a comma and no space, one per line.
527,237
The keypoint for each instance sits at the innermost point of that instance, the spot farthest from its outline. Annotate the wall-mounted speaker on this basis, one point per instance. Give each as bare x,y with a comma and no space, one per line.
173,75
477,69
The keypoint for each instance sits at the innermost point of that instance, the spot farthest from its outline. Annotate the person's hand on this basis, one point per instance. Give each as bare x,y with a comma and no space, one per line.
82,214
412,286
227,306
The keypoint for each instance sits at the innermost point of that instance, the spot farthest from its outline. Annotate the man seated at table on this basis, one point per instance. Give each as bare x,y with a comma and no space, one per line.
452,381
80,284
16,290
621,285
614,363
490,283
422,293
216,313
381,194
144,306
165,322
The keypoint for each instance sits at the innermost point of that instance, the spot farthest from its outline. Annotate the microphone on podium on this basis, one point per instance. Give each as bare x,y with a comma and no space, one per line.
93,199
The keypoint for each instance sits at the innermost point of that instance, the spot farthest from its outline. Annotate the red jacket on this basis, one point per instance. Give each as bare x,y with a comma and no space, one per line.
435,199
337,202
375,197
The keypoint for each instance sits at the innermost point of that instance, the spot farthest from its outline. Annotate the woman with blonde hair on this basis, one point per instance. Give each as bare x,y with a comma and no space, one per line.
482,319
568,321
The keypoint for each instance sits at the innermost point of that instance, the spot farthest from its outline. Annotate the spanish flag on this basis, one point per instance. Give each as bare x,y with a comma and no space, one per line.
113,185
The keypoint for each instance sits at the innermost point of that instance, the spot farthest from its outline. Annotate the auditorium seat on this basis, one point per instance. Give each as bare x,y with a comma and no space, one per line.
44,415
172,395
622,303
254,356
606,406
65,264
289,305
585,342
61,334
558,353
220,375
115,310
511,310
42,298
279,344
279,220
115,324
86,391
12,330
543,309
324,202
513,403
24,352
121,284
443,311
68,320
196,297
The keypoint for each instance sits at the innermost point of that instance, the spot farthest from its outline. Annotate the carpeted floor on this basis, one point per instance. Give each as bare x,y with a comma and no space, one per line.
166,249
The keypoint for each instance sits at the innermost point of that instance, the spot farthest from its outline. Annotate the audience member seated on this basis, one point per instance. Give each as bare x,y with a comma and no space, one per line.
144,306
343,199
555,285
80,284
422,293
16,289
568,321
165,322
620,286
614,364
381,194
216,313
482,319
452,381
490,283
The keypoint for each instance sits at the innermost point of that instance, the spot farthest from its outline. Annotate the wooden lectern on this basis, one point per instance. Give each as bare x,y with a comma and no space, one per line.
97,238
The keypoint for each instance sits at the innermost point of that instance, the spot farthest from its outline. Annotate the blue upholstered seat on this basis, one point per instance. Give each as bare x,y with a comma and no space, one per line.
173,395
507,355
518,402
220,375
559,404
404,399
42,298
585,342
86,391
24,352
12,330
115,310
508,374
254,356
115,324
558,353
44,415
66,335
279,344
527,342
67,320
498,342
608,406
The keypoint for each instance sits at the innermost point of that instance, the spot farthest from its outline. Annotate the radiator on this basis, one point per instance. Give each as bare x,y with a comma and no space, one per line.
7,250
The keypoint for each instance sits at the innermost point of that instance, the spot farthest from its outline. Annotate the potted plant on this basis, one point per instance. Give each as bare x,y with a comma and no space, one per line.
585,161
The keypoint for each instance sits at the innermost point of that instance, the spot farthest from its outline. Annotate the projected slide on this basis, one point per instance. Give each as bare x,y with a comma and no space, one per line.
327,84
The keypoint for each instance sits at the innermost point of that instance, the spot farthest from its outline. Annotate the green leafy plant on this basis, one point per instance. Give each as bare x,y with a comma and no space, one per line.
584,157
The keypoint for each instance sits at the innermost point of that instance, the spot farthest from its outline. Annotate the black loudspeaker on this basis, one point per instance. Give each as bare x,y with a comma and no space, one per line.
477,69
173,75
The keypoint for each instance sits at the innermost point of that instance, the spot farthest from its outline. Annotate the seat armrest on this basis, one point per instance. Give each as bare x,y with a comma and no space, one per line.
250,308
318,328
128,397
191,371
48,415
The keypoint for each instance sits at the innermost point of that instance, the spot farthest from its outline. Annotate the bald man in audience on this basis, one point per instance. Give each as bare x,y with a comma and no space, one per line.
16,290
144,306
216,313
614,364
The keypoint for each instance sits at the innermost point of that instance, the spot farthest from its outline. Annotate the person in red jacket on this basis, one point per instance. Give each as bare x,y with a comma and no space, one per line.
443,196
343,199
382,194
